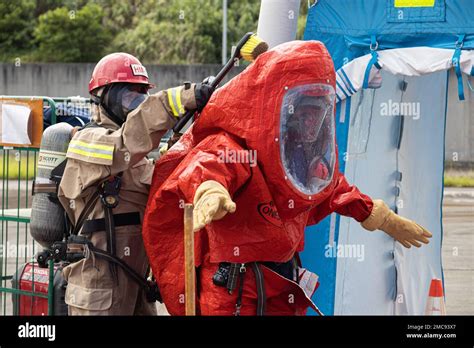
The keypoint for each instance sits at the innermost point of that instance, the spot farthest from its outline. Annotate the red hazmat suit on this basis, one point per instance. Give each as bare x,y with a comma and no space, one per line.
280,169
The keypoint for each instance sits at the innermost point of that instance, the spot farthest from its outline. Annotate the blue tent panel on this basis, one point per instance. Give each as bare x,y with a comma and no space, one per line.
346,26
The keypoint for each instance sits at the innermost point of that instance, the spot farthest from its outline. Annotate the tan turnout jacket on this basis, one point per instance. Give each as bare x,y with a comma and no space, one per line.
94,154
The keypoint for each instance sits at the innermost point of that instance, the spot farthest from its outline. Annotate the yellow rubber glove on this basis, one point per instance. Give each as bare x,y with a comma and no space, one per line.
405,231
211,202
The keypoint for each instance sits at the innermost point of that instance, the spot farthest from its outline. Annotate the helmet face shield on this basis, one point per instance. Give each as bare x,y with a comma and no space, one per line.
121,98
307,141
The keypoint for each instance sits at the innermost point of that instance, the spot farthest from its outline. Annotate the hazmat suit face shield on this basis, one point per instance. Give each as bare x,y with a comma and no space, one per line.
121,98
307,139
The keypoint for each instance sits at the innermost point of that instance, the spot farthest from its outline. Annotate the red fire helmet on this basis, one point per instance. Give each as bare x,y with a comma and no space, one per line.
118,67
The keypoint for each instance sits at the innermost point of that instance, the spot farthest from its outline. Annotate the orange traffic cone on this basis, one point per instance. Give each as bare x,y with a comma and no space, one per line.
435,304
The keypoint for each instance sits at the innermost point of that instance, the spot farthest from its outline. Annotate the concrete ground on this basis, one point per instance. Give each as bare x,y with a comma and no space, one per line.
458,248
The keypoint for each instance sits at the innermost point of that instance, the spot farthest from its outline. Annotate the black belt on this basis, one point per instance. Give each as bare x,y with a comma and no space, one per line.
125,219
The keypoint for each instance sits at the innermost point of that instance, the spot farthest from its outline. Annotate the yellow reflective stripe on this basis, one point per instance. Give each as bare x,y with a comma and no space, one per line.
174,100
178,102
414,3
108,148
171,103
90,154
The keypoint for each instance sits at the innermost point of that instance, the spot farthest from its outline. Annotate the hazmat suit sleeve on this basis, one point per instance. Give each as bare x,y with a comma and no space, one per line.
98,152
210,161
373,215
346,200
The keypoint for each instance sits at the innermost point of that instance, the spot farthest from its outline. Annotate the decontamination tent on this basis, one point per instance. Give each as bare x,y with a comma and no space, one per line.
392,58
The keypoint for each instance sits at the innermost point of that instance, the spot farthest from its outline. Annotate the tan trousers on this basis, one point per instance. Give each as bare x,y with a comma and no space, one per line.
91,289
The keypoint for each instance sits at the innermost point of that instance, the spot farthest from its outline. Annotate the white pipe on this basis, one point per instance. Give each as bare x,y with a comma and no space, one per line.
278,21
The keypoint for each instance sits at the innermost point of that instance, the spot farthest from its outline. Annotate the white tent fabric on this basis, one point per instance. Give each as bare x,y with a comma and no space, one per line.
398,158
412,61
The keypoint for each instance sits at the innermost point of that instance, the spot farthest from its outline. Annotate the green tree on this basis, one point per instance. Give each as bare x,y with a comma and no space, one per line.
120,15
185,31
173,32
157,31
16,26
43,6
71,36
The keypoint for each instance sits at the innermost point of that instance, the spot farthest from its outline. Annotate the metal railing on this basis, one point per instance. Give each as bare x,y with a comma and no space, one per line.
17,171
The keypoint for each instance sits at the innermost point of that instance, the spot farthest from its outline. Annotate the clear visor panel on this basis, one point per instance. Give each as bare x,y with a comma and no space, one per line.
307,139
122,98
131,100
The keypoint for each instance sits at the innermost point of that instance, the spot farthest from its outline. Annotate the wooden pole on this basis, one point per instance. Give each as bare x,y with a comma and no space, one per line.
189,268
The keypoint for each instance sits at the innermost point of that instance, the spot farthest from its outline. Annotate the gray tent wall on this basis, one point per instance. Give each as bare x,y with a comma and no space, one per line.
400,160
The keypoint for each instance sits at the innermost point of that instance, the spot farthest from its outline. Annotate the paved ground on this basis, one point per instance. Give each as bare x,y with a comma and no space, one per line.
458,249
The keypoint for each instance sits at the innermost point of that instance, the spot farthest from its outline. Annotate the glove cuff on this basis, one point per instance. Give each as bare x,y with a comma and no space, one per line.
188,98
379,215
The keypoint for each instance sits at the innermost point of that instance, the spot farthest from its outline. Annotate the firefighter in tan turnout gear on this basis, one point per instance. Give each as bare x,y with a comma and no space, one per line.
105,184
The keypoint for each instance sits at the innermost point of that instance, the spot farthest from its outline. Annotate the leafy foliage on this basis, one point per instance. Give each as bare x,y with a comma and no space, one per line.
157,31
69,36
185,31
16,26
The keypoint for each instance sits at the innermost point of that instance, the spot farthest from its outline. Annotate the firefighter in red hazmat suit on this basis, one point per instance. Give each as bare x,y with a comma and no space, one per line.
260,164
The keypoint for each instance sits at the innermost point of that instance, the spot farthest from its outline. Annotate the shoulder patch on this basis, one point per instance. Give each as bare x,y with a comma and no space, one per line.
91,151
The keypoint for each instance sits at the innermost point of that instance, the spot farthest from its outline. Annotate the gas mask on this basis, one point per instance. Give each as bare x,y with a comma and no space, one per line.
119,99
307,145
